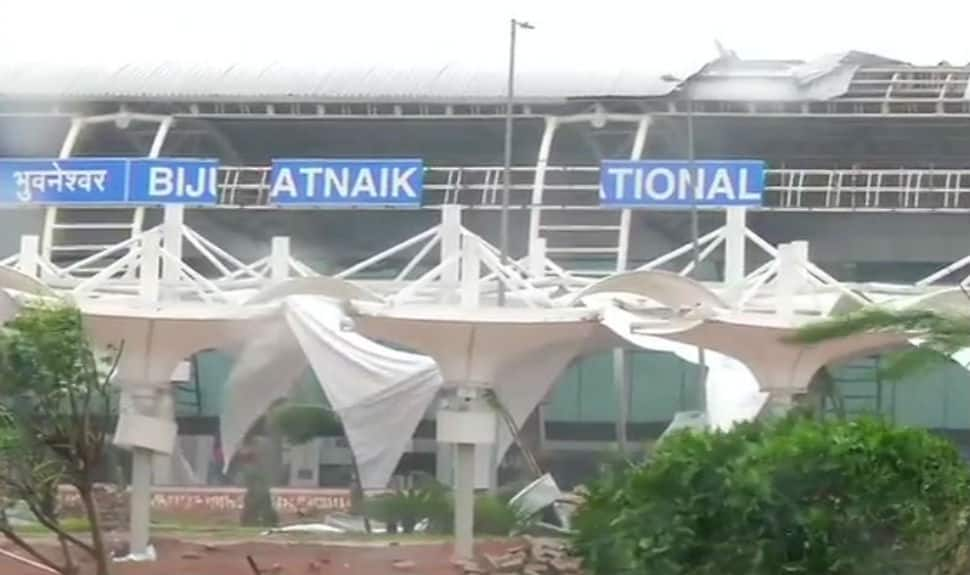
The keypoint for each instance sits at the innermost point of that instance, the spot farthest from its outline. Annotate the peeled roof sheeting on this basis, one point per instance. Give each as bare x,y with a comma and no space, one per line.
780,81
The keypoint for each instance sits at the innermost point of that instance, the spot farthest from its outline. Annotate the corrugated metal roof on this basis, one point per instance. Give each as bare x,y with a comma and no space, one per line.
445,81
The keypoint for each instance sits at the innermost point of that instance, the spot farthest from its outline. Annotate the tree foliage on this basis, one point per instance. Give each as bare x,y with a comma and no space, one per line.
52,388
795,495
939,335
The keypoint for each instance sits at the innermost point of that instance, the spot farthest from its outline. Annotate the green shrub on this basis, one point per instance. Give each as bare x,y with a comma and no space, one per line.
426,499
594,525
794,496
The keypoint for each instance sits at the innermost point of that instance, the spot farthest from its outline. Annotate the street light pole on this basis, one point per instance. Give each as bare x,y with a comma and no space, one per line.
694,235
507,165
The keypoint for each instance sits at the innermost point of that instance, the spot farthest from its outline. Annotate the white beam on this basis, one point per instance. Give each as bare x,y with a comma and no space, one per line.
539,181
626,215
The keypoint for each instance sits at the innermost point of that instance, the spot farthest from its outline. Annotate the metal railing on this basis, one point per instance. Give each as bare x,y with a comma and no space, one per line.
572,188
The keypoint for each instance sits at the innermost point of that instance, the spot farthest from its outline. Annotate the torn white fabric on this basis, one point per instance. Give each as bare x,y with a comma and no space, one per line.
380,394
732,391
265,369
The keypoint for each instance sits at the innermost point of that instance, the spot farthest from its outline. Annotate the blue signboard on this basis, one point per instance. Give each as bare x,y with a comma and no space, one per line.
108,181
649,183
173,181
347,183
73,181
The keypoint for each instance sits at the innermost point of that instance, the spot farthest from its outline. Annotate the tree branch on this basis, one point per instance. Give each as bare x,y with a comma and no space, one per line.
29,549
52,525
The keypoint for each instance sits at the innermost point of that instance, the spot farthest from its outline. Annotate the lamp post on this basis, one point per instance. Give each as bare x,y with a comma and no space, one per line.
514,25
695,232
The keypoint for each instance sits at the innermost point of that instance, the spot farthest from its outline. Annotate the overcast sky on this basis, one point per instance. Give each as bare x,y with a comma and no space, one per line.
659,33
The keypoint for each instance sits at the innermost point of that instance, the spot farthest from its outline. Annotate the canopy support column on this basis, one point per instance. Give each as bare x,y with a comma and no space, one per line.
622,382
450,251
465,500
467,421
141,501
28,262
279,258
172,224
734,252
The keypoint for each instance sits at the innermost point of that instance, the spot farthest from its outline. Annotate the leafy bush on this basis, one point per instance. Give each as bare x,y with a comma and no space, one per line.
793,496
403,508
595,538
426,499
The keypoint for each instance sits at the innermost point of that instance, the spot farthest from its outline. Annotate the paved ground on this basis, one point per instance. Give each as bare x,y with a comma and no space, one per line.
289,558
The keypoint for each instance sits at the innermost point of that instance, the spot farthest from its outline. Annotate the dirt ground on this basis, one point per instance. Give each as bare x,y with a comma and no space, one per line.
177,557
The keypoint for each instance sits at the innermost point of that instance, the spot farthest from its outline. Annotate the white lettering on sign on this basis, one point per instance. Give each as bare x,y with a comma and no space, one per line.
674,185
181,182
327,183
38,182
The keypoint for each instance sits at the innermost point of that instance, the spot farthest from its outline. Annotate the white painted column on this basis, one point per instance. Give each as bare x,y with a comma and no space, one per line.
141,459
148,278
622,383
467,421
141,501
450,248
445,463
734,244
539,182
464,500
787,282
279,258
172,241
537,259
470,272
29,260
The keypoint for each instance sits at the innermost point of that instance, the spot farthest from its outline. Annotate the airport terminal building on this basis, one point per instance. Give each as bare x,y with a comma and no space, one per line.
866,160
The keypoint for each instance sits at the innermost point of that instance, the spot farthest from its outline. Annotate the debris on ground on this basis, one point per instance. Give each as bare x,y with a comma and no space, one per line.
538,556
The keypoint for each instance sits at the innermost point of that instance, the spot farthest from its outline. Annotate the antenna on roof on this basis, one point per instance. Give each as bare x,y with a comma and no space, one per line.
723,53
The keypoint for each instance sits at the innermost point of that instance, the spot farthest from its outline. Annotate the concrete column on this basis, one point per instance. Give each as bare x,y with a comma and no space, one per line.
734,252
29,261
622,382
464,500
444,463
172,224
450,247
141,500
279,258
